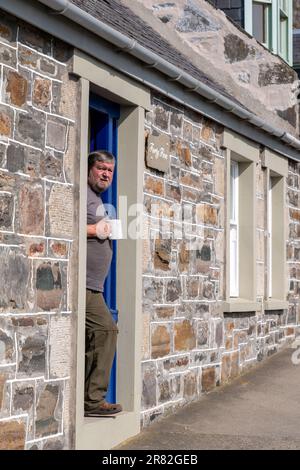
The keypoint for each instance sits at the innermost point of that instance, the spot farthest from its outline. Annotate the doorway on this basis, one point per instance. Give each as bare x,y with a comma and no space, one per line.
103,122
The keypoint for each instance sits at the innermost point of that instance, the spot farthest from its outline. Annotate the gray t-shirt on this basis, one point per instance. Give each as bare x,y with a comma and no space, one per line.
99,252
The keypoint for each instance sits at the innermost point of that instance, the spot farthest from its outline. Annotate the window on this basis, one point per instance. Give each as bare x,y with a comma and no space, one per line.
276,289
270,235
261,22
234,248
283,29
270,22
241,158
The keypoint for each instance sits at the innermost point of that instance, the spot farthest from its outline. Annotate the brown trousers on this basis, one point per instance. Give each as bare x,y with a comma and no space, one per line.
100,348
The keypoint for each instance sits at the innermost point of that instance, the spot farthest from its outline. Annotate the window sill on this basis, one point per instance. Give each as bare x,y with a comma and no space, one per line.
241,305
276,304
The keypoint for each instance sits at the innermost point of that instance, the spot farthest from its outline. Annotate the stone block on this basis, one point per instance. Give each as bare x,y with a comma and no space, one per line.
30,128
173,192
32,353
16,158
6,121
12,434
51,165
176,123
35,38
191,179
60,211
190,385
31,209
23,397
206,214
176,364
8,56
164,391
157,152
8,29
62,51
58,249
71,157
192,287
149,390
6,211
16,87
236,49
184,336
65,97
28,58
208,290
203,334
164,313
56,134
2,154
160,341
275,74
154,185
60,346
173,290
48,411
161,117
219,176
48,284
35,247
162,254
187,131
185,154
41,95
7,347
15,278
196,20
152,290
184,258
208,379
145,336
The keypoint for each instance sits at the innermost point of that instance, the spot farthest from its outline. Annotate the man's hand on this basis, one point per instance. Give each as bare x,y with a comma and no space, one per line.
100,230
103,229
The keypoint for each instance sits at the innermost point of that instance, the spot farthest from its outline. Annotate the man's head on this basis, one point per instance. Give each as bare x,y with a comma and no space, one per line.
101,165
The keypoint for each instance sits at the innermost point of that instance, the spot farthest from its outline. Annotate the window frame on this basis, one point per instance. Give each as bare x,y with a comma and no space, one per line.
246,154
277,171
277,11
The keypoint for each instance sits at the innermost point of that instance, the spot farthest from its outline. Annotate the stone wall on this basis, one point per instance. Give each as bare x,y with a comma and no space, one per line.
38,198
189,345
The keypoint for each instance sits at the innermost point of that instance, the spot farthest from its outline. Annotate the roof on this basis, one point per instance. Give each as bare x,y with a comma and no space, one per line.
122,19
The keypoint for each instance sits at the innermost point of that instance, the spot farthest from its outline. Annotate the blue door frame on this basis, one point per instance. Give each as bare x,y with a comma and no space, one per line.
104,117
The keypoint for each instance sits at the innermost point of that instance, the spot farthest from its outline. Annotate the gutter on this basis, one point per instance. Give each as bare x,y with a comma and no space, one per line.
152,60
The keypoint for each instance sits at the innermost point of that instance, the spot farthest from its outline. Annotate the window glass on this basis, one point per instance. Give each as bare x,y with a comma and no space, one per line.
234,252
261,22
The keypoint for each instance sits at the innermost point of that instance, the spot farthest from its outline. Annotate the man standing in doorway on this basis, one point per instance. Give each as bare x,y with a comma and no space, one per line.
101,330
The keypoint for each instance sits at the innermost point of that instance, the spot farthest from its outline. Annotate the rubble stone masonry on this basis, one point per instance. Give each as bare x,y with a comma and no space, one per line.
189,345
38,115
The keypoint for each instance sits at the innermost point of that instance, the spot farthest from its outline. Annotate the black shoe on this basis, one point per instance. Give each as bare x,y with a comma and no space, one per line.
104,409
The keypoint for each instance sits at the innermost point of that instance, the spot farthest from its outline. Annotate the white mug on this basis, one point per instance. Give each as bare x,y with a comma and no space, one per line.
116,229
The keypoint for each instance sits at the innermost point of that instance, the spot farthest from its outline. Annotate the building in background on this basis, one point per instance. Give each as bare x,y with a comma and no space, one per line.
204,121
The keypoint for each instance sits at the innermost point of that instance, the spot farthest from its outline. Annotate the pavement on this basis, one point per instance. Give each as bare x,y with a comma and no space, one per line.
257,411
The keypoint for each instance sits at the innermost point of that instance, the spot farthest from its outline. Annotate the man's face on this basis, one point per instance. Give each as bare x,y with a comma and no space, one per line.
101,176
